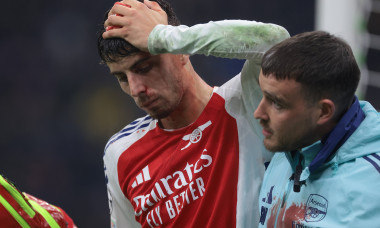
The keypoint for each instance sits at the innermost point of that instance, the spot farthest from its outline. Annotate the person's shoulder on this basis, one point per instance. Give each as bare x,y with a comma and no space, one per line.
358,183
368,107
232,84
127,133
231,87
371,163
362,171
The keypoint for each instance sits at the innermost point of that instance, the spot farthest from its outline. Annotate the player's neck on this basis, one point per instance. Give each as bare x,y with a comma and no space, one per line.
193,102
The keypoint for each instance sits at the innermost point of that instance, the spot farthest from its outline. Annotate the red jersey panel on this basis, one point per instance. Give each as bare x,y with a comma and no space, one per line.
186,177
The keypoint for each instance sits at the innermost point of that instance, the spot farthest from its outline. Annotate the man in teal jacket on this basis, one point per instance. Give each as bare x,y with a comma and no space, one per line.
329,174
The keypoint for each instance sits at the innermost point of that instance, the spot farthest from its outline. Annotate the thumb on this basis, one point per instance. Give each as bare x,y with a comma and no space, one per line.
152,5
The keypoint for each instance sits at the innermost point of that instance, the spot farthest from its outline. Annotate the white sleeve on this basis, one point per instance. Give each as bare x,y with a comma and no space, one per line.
121,210
227,39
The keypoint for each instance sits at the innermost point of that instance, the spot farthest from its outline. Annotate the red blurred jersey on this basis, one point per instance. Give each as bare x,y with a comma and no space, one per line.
8,220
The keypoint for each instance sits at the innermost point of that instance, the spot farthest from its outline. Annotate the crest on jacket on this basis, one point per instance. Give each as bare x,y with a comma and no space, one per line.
316,208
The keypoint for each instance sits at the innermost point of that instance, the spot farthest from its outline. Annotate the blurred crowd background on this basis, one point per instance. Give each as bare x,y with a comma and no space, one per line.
59,106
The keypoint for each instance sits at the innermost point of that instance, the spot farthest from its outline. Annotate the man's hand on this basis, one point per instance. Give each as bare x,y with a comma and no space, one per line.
134,23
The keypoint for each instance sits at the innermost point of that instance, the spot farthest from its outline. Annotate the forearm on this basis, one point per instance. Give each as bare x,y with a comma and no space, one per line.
228,39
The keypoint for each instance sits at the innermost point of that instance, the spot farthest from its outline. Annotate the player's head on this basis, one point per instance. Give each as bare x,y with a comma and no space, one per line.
308,82
322,63
155,82
112,49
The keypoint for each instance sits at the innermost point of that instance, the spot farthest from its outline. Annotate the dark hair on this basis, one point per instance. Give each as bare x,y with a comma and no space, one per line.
112,49
322,63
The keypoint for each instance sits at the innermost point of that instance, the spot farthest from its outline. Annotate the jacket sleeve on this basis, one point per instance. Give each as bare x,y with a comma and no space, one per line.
238,39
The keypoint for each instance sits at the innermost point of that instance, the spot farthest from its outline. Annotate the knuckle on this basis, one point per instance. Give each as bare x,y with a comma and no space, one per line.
133,12
110,20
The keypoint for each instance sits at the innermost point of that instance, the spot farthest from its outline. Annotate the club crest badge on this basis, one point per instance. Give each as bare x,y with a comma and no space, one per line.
196,135
316,208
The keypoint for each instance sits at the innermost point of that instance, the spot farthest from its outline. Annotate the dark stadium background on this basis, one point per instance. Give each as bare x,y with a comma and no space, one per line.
59,106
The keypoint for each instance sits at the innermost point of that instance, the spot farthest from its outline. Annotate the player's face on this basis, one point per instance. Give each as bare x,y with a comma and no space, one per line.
288,122
153,81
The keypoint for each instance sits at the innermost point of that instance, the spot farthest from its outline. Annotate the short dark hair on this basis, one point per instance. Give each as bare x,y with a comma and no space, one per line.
322,63
112,49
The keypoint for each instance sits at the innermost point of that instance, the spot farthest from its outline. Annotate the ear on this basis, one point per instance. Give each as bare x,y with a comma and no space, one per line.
327,111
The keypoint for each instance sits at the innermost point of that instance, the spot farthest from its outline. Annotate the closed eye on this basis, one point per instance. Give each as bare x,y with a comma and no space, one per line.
121,77
142,68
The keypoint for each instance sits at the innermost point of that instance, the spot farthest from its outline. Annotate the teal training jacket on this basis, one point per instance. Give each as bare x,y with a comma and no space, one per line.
342,192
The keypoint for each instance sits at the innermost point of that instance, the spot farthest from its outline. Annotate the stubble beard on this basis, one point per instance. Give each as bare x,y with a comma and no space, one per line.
272,148
284,144
159,113
278,144
270,143
163,109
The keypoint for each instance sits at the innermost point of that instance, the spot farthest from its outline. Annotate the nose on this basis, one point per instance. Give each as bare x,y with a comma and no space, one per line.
260,111
136,84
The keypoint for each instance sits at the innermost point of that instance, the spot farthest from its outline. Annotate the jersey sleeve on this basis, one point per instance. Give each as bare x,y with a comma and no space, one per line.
121,210
238,39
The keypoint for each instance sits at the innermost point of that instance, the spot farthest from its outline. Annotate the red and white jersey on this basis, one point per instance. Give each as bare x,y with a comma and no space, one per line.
209,173
205,175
